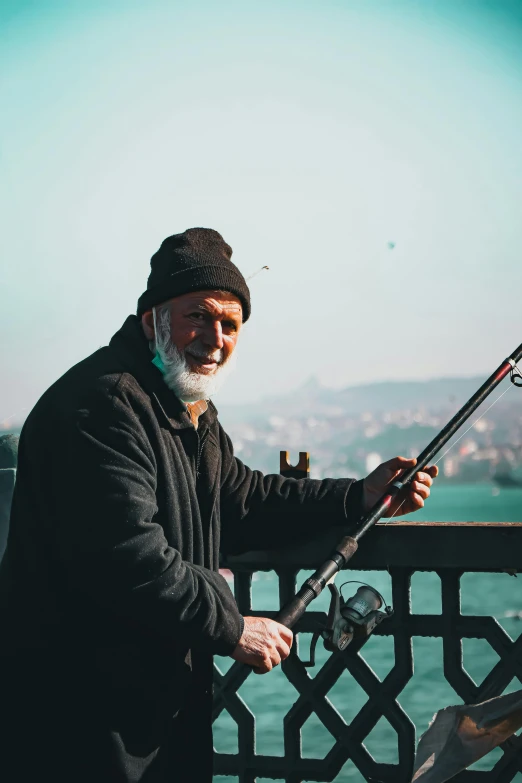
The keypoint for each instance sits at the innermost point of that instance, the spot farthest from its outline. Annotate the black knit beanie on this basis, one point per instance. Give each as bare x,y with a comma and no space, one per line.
196,260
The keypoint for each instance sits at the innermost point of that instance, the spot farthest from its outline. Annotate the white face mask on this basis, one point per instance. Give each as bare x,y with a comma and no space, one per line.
186,384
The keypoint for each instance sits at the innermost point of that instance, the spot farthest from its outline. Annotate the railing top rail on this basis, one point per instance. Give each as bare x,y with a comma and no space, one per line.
469,546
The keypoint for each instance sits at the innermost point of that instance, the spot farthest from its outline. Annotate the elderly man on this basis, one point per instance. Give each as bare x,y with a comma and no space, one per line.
111,603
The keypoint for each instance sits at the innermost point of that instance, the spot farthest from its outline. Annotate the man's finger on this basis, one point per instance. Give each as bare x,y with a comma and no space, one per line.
275,658
264,667
417,500
423,478
283,650
432,470
421,489
285,634
400,463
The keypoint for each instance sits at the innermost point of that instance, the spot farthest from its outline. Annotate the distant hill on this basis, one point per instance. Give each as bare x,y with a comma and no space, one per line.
313,399
342,428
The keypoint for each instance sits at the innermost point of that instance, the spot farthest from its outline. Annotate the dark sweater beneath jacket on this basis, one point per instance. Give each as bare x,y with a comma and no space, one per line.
111,604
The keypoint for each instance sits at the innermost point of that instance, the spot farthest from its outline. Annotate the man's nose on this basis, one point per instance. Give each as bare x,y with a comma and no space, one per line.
213,335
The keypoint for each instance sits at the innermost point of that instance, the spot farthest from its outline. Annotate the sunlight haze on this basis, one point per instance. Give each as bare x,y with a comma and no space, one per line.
368,152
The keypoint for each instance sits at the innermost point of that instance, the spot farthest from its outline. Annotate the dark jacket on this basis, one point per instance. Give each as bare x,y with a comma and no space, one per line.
7,482
111,604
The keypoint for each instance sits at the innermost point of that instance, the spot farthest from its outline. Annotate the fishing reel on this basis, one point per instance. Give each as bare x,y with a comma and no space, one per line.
351,621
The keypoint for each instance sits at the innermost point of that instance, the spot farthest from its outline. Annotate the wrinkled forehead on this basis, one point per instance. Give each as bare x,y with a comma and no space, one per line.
217,303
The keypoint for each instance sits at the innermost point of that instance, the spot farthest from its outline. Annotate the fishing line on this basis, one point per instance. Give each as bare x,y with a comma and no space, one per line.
454,444
395,512
472,425
256,273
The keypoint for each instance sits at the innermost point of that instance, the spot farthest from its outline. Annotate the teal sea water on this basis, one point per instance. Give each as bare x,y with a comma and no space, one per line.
271,696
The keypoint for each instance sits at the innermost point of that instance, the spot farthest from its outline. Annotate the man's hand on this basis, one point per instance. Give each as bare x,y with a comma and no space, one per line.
411,497
264,644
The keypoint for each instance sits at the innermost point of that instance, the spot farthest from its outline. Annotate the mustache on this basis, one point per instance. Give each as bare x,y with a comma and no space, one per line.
205,355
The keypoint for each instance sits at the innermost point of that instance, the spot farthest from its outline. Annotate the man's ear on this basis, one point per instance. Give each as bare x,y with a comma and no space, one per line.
147,323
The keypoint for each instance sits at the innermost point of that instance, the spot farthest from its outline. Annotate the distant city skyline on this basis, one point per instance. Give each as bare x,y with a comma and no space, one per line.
350,432
368,153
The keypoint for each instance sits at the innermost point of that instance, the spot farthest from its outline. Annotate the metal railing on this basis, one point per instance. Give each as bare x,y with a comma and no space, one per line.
401,548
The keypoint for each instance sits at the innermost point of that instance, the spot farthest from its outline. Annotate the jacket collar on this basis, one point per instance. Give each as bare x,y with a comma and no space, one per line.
132,348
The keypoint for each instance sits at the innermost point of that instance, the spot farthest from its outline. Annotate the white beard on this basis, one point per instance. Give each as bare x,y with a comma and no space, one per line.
186,384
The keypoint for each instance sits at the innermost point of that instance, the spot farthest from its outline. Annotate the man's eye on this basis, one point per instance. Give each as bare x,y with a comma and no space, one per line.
230,326
199,316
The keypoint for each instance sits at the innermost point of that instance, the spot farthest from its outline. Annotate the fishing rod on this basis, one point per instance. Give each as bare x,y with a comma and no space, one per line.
357,617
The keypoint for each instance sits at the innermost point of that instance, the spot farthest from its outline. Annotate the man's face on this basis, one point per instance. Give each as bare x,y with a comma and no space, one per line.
195,336
204,327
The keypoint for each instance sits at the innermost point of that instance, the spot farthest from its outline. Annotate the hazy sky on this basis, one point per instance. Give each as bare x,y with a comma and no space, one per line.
310,134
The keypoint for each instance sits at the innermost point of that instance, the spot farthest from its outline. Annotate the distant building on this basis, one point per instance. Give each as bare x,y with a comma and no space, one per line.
450,467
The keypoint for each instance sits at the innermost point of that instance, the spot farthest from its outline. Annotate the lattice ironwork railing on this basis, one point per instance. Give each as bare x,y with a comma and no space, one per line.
449,549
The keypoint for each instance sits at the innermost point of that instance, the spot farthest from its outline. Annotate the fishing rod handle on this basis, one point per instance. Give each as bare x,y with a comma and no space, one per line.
291,612
294,609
